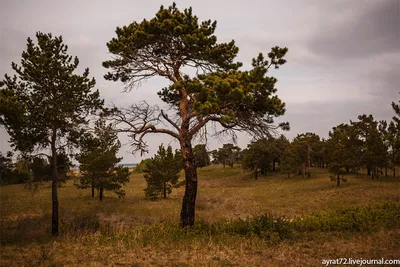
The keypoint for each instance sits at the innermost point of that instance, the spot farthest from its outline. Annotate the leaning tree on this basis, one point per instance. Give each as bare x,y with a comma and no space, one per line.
45,106
174,42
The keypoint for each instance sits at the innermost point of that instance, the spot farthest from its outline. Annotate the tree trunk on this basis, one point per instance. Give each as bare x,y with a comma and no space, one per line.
256,173
165,189
394,171
338,181
101,193
377,172
189,199
92,187
386,171
347,169
54,185
369,171
273,165
373,173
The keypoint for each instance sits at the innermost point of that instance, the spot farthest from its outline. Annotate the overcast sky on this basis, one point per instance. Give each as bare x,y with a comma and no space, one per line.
342,61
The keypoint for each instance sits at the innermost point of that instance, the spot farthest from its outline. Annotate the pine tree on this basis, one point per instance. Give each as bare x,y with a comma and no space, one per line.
162,173
46,104
291,160
99,162
166,46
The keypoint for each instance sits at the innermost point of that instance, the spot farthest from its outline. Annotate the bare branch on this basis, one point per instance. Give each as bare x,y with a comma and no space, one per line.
165,116
140,120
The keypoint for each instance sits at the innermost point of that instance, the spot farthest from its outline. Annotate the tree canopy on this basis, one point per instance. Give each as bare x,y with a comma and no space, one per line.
165,46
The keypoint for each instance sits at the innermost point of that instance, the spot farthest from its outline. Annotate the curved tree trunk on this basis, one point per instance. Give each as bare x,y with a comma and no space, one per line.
189,199
54,186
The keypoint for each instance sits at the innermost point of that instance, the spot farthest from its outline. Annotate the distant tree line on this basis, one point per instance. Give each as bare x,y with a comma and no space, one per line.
47,108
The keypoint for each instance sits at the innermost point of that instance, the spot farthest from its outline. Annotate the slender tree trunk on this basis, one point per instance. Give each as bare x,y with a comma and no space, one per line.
386,171
369,171
256,173
101,193
377,172
92,187
373,173
394,171
347,169
338,180
273,165
189,199
54,185
165,189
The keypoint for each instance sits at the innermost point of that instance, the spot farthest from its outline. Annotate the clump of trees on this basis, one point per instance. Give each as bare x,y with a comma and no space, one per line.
162,173
263,155
228,154
201,156
99,162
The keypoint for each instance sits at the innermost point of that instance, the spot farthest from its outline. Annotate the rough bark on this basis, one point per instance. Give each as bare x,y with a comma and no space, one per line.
189,199
54,185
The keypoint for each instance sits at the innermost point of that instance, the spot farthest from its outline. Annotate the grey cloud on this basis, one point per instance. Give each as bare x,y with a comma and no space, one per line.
319,34
375,31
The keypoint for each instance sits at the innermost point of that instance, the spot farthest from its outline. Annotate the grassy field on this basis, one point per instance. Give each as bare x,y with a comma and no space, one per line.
137,232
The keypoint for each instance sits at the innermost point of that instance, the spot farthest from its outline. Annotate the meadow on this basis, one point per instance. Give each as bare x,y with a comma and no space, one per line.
272,221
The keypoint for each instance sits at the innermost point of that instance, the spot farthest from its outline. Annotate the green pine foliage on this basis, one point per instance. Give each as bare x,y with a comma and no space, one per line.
99,162
162,173
46,104
291,161
201,156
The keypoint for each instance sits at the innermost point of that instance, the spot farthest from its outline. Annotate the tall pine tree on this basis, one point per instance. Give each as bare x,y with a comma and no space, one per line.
44,106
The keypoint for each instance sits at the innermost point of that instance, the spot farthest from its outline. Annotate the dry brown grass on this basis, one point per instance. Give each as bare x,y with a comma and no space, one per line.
223,194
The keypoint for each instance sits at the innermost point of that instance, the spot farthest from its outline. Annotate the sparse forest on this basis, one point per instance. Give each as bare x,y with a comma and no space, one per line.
278,201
